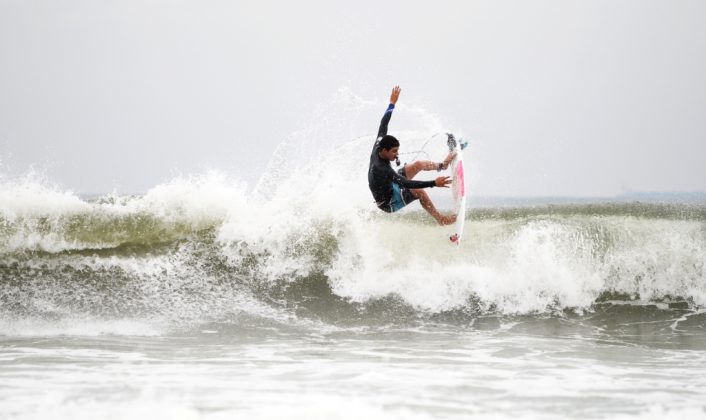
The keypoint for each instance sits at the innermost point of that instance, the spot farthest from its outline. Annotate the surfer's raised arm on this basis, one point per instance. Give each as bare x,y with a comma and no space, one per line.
394,96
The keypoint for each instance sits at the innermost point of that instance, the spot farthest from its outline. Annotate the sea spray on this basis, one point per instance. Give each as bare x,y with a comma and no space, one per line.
208,247
180,253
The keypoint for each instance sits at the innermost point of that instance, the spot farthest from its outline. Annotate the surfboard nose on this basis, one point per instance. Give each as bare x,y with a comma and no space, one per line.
451,141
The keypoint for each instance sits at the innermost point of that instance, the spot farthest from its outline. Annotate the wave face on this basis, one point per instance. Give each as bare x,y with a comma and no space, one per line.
305,242
203,248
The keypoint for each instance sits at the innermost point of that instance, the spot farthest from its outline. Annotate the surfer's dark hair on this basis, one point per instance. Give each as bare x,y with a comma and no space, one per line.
388,142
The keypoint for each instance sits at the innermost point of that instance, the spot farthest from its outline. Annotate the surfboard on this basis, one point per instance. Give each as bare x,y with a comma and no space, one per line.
458,188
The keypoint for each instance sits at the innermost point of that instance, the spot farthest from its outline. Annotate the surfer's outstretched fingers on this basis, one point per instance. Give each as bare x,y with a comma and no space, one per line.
443,181
395,95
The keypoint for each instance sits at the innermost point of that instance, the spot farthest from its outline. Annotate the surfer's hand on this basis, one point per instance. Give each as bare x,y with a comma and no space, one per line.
395,95
443,181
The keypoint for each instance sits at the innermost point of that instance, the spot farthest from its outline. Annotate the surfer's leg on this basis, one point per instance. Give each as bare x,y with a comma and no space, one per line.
426,203
414,168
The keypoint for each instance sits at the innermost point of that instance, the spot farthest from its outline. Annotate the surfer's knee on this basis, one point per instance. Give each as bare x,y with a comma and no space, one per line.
412,169
419,165
424,200
420,194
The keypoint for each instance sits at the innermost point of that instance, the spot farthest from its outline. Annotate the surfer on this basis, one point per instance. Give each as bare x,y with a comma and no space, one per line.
392,189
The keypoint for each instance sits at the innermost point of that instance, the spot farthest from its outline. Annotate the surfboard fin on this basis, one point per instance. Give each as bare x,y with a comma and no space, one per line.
464,144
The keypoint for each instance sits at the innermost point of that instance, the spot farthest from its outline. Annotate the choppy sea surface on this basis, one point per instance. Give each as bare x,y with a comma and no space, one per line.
200,299
206,298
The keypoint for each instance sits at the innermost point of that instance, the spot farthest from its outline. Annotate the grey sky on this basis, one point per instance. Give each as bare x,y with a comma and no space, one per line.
560,97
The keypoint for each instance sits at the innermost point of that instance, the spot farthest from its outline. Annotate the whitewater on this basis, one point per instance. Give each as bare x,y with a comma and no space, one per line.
293,297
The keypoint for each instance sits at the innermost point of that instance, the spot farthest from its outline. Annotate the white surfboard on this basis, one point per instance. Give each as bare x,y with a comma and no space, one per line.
458,189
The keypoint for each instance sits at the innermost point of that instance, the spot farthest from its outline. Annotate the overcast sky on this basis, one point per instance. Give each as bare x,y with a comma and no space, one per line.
571,98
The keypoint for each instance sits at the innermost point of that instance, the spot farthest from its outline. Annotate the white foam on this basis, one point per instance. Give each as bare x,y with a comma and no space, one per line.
81,326
38,214
520,267
312,212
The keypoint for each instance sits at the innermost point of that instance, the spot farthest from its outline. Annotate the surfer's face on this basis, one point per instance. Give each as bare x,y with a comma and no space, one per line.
390,154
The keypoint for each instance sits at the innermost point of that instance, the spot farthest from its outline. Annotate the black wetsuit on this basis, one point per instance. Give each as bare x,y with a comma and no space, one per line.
381,176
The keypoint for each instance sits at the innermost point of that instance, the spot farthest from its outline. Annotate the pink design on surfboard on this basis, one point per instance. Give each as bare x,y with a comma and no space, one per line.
459,175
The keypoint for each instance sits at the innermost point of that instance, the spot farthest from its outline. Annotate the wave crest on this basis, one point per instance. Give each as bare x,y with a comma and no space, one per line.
207,236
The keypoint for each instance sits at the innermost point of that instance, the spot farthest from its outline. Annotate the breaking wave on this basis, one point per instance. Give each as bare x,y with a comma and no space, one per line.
203,247
305,242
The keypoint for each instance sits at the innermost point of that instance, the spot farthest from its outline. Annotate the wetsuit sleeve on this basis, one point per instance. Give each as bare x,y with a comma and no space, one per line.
409,183
385,120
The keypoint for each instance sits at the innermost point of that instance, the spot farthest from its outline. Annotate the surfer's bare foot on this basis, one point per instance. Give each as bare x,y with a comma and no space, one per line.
447,161
446,220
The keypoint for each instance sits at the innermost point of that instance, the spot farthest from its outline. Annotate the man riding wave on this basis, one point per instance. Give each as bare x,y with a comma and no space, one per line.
392,189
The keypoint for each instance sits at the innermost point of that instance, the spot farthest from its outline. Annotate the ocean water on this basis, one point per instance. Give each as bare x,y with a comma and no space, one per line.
203,299
292,297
